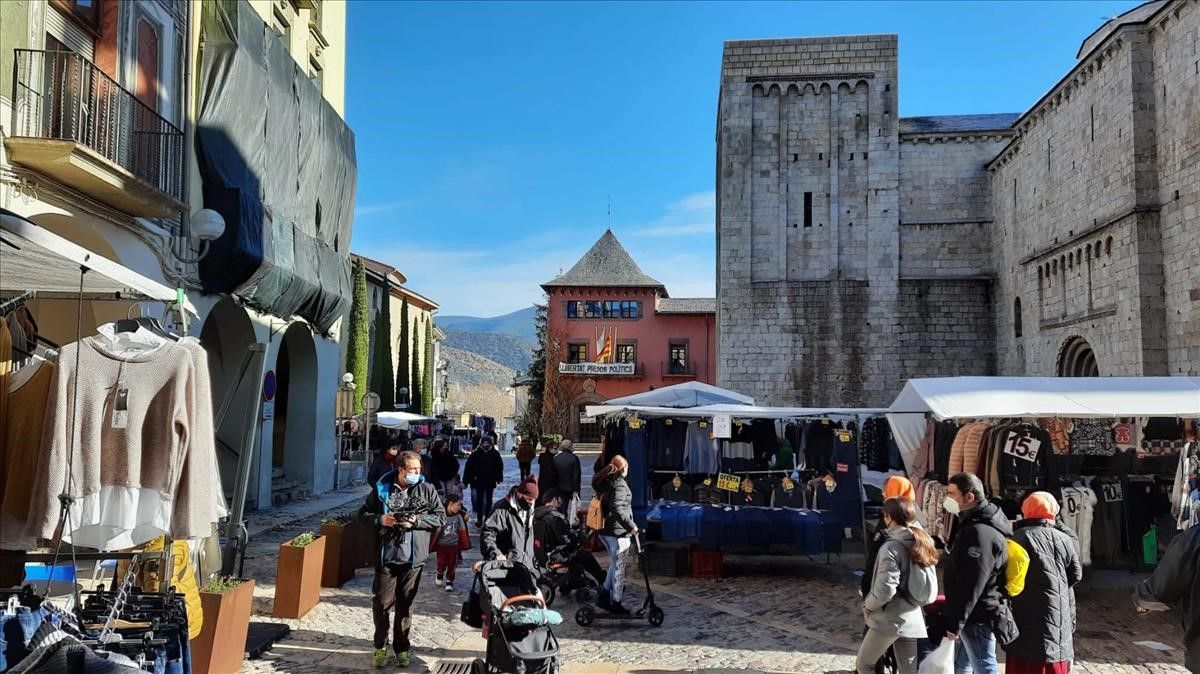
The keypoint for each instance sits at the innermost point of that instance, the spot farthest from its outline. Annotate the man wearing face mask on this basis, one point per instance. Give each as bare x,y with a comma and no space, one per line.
508,532
403,549
977,612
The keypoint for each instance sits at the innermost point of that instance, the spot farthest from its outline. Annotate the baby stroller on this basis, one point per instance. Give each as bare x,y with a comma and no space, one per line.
519,640
561,575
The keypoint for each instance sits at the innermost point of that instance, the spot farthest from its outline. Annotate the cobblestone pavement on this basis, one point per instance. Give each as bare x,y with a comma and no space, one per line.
779,614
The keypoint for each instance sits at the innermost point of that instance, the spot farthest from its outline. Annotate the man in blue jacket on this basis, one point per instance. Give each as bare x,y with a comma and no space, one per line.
406,509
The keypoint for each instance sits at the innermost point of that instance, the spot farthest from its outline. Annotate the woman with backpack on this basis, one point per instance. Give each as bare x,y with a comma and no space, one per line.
617,530
904,580
1045,609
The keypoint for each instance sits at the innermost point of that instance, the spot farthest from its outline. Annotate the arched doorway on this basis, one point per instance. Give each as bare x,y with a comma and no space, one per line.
226,337
584,429
294,432
1077,359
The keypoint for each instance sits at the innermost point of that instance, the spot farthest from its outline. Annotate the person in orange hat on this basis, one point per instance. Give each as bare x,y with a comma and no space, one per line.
1045,610
896,486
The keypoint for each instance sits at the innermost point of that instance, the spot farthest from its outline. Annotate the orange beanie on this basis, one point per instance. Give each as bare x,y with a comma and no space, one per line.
1040,505
899,487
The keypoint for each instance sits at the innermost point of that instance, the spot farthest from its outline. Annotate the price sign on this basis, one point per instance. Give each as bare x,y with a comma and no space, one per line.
728,482
1112,492
722,426
1021,446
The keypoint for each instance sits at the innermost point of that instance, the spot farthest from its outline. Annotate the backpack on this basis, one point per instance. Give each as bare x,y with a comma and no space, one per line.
1016,568
922,584
595,514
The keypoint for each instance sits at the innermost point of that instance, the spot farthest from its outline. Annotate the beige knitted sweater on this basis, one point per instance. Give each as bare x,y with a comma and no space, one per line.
127,467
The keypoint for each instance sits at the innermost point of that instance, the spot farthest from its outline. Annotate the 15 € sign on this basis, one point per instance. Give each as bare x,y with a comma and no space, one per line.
728,482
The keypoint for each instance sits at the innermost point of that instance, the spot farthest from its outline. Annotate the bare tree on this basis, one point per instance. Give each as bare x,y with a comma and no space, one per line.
560,391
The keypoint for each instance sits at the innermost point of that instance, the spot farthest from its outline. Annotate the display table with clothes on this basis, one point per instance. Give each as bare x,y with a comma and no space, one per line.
806,532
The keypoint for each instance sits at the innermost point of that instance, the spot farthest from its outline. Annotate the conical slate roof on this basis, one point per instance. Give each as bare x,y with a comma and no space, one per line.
607,263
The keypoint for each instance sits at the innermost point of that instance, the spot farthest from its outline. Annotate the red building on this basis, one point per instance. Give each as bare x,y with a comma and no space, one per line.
619,333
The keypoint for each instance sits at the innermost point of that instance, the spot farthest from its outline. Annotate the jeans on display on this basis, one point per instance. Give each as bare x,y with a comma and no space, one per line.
618,554
15,632
976,651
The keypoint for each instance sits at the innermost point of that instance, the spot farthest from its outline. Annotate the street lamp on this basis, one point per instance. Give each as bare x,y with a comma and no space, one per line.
403,402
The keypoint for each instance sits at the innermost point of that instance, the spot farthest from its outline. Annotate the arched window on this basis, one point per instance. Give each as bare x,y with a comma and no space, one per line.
1076,359
1017,317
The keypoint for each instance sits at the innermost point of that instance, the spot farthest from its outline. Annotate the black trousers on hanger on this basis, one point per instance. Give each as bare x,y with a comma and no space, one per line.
395,587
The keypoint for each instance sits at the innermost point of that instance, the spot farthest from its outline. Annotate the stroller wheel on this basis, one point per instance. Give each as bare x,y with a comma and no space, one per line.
655,616
478,667
548,591
585,615
587,595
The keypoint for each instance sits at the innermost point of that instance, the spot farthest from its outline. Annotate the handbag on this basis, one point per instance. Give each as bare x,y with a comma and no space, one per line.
472,610
595,515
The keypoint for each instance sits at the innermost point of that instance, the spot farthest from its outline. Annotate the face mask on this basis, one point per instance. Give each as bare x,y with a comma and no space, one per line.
951,506
411,479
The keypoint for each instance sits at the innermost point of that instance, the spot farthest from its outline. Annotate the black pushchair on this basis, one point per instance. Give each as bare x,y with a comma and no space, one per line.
561,575
514,645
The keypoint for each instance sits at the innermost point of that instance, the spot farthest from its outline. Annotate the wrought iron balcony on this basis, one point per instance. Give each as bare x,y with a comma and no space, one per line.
678,368
73,122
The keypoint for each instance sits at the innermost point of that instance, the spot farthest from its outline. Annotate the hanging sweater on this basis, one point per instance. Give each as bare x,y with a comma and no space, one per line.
127,466
20,446
201,474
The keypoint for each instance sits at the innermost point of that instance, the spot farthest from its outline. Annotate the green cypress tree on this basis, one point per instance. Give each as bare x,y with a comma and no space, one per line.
417,404
382,381
403,380
427,373
358,334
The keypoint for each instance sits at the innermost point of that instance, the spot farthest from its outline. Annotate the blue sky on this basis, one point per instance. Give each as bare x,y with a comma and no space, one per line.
490,136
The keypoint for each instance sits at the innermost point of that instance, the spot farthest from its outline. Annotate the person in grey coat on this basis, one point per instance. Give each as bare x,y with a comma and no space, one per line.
1176,583
904,581
1045,610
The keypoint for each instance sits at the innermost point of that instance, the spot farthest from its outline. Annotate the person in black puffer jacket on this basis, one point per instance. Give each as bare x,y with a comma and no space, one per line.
616,501
1176,582
1045,610
977,611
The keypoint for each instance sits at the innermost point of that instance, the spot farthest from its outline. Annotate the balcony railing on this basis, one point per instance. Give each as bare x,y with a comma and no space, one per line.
676,368
60,95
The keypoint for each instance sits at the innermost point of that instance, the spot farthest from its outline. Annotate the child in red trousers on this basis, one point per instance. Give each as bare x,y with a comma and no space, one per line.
452,539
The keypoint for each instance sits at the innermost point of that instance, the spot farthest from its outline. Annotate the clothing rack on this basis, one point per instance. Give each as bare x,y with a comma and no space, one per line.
13,302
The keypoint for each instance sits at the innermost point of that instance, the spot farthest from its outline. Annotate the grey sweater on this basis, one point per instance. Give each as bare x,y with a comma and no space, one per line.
890,607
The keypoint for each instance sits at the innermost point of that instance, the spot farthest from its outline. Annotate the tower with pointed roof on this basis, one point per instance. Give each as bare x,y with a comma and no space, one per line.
606,304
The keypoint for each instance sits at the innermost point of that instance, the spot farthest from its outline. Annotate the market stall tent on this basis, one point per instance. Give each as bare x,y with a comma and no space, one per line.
1036,397
35,259
687,394
735,411
399,419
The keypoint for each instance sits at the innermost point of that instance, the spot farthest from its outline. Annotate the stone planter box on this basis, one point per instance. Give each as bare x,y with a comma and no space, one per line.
298,578
221,645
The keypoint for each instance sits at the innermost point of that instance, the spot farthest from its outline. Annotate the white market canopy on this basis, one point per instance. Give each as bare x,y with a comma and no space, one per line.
687,394
1013,397
33,258
732,411
399,419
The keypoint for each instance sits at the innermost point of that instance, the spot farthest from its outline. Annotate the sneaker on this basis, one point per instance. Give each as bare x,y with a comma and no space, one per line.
402,659
449,586
380,658
618,608
437,581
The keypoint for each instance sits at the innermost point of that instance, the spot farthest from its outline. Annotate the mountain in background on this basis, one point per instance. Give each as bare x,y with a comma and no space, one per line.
468,369
510,351
517,324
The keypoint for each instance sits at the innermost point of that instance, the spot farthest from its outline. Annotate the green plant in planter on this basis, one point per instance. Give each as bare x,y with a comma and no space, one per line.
304,539
221,584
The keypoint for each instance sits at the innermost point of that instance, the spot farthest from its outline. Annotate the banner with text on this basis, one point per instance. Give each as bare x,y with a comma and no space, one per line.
600,369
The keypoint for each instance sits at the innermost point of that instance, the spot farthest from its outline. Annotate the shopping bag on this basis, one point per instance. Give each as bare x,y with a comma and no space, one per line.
940,661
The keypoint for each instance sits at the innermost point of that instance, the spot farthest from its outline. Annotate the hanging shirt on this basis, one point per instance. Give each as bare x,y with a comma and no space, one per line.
1127,435
1026,459
699,453
20,446
1060,434
1078,513
1092,437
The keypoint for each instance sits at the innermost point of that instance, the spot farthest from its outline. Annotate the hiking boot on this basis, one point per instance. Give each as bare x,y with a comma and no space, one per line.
402,659
380,658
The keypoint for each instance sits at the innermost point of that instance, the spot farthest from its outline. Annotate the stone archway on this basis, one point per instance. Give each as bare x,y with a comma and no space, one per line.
1077,359
226,336
580,431
294,433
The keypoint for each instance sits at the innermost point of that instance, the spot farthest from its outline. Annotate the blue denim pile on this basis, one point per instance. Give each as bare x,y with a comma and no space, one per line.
17,627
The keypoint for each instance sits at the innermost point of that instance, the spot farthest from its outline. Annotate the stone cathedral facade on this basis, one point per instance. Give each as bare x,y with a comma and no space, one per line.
857,248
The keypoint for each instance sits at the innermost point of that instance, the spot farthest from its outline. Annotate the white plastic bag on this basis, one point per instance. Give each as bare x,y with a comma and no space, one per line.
940,661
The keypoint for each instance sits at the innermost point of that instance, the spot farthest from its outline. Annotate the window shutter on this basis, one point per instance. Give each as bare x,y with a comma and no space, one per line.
66,31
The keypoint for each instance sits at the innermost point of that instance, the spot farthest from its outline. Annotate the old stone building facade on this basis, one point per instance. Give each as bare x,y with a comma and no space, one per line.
857,248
